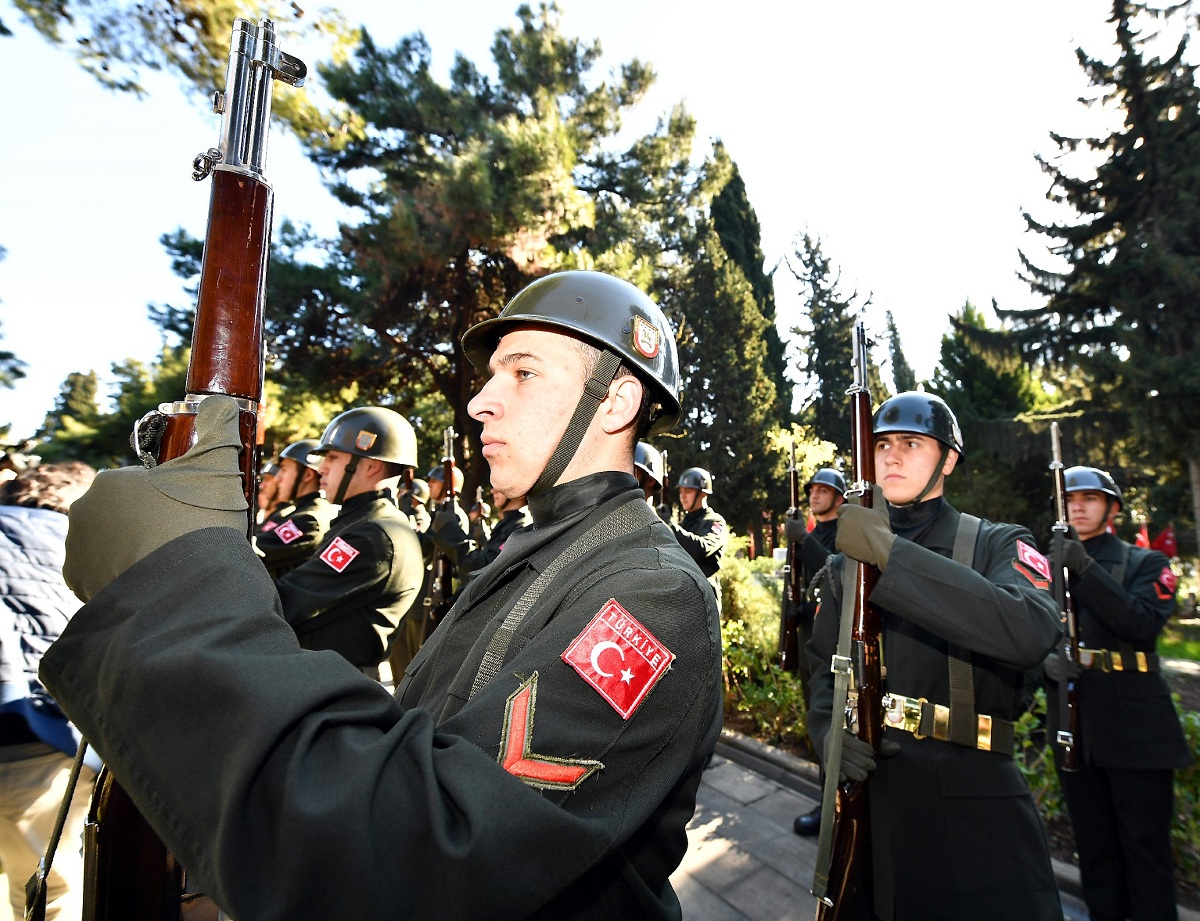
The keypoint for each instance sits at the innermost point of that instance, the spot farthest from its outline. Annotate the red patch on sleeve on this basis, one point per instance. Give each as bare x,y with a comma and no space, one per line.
288,531
268,527
339,554
619,657
1034,560
1168,581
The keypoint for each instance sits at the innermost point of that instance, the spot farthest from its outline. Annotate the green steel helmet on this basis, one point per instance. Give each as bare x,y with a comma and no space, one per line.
1081,479
696,478
303,452
371,431
270,468
420,491
827,476
608,312
648,459
922,414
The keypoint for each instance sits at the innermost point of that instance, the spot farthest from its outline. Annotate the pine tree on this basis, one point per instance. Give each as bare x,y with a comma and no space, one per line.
1124,310
827,342
903,375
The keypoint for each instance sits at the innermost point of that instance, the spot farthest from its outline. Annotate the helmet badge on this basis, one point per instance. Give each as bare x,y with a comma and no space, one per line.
364,440
646,337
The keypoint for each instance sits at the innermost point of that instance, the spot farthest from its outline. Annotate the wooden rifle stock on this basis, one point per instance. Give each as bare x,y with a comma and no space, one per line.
848,891
793,589
130,873
1068,736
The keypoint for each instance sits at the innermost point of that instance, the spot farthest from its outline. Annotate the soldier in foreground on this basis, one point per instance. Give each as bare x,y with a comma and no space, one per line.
291,786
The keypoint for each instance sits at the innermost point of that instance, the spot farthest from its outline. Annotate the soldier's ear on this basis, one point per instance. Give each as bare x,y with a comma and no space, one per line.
950,463
624,401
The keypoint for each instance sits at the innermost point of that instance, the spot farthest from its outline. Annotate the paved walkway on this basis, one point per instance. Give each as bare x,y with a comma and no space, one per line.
744,862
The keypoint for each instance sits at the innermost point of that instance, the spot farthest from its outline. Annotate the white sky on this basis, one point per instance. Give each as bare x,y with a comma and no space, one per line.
901,134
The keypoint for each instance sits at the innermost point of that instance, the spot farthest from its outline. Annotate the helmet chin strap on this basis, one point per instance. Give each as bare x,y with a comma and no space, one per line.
347,476
594,392
933,480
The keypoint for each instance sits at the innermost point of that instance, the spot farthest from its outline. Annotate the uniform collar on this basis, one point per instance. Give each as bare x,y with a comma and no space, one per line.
578,496
908,521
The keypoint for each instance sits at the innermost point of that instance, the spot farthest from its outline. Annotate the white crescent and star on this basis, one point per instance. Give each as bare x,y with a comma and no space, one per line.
599,648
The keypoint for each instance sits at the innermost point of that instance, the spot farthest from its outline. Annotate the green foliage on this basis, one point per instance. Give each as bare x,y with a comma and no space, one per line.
1185,828
756,688
1035,758
903,376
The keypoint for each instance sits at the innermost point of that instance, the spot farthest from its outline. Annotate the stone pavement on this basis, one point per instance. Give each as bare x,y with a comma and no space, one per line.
744,862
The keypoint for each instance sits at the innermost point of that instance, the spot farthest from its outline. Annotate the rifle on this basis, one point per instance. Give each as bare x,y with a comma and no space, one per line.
842,882
1068,692
129,873
664,511
441,589
793,591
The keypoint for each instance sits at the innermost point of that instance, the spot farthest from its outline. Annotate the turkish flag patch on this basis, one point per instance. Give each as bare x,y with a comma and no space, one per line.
1034,560
339,554
269,526
288,531
1168,580
618,657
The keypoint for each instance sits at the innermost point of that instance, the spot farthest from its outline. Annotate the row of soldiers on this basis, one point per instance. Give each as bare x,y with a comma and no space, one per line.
950,639
341,519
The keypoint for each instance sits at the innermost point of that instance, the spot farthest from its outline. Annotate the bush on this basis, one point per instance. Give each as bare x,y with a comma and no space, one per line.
759,694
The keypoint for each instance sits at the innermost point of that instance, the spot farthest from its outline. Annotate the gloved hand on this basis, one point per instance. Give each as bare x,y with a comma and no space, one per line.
129,513
865,534
445,519
858,758
1054,669
794,529
664,513
1071,553
479,510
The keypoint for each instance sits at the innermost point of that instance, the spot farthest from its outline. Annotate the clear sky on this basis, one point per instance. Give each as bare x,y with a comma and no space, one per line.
902,134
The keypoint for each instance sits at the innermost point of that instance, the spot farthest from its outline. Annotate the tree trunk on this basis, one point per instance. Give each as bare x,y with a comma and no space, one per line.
1193,462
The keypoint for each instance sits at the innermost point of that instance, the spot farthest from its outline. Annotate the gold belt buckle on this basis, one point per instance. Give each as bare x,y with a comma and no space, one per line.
1143,664
903,713
983,736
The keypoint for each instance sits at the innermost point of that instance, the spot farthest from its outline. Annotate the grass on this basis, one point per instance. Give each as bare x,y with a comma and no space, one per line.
1181,639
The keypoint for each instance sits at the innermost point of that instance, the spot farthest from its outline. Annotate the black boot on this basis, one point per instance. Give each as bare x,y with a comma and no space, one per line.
808,824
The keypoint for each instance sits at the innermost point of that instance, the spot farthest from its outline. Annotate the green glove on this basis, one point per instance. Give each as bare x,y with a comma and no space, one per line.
1071,553
129,513
858,758
865,534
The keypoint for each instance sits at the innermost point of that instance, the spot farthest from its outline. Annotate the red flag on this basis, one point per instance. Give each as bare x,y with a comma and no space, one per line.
812,522
1165,542
1143,537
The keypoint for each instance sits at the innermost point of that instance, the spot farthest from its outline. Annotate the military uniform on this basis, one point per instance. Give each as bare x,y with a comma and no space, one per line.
814,551
353,592
963,838
470,554
287,540
704,535
328,799
1130,738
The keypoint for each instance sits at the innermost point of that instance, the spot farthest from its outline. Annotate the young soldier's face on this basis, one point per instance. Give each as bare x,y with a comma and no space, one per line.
689,498
822,499
287,478
904,464
537,377
1087,512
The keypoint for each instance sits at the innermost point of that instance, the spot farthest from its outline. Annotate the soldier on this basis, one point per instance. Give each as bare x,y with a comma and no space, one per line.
267,496
1121,799
964,613
826,491
702,532
351,595
648,468
292,535
450,801
469,554
436,479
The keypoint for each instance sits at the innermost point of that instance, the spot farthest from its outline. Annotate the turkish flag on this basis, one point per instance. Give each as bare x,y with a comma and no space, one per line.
812,522
1165,542
1143,537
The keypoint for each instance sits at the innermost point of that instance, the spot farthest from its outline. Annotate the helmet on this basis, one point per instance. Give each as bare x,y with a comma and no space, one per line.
371,431
419,489
270,468
1080,479
696,478
648,459
922,414
604,310
438,473
827,476
302,452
